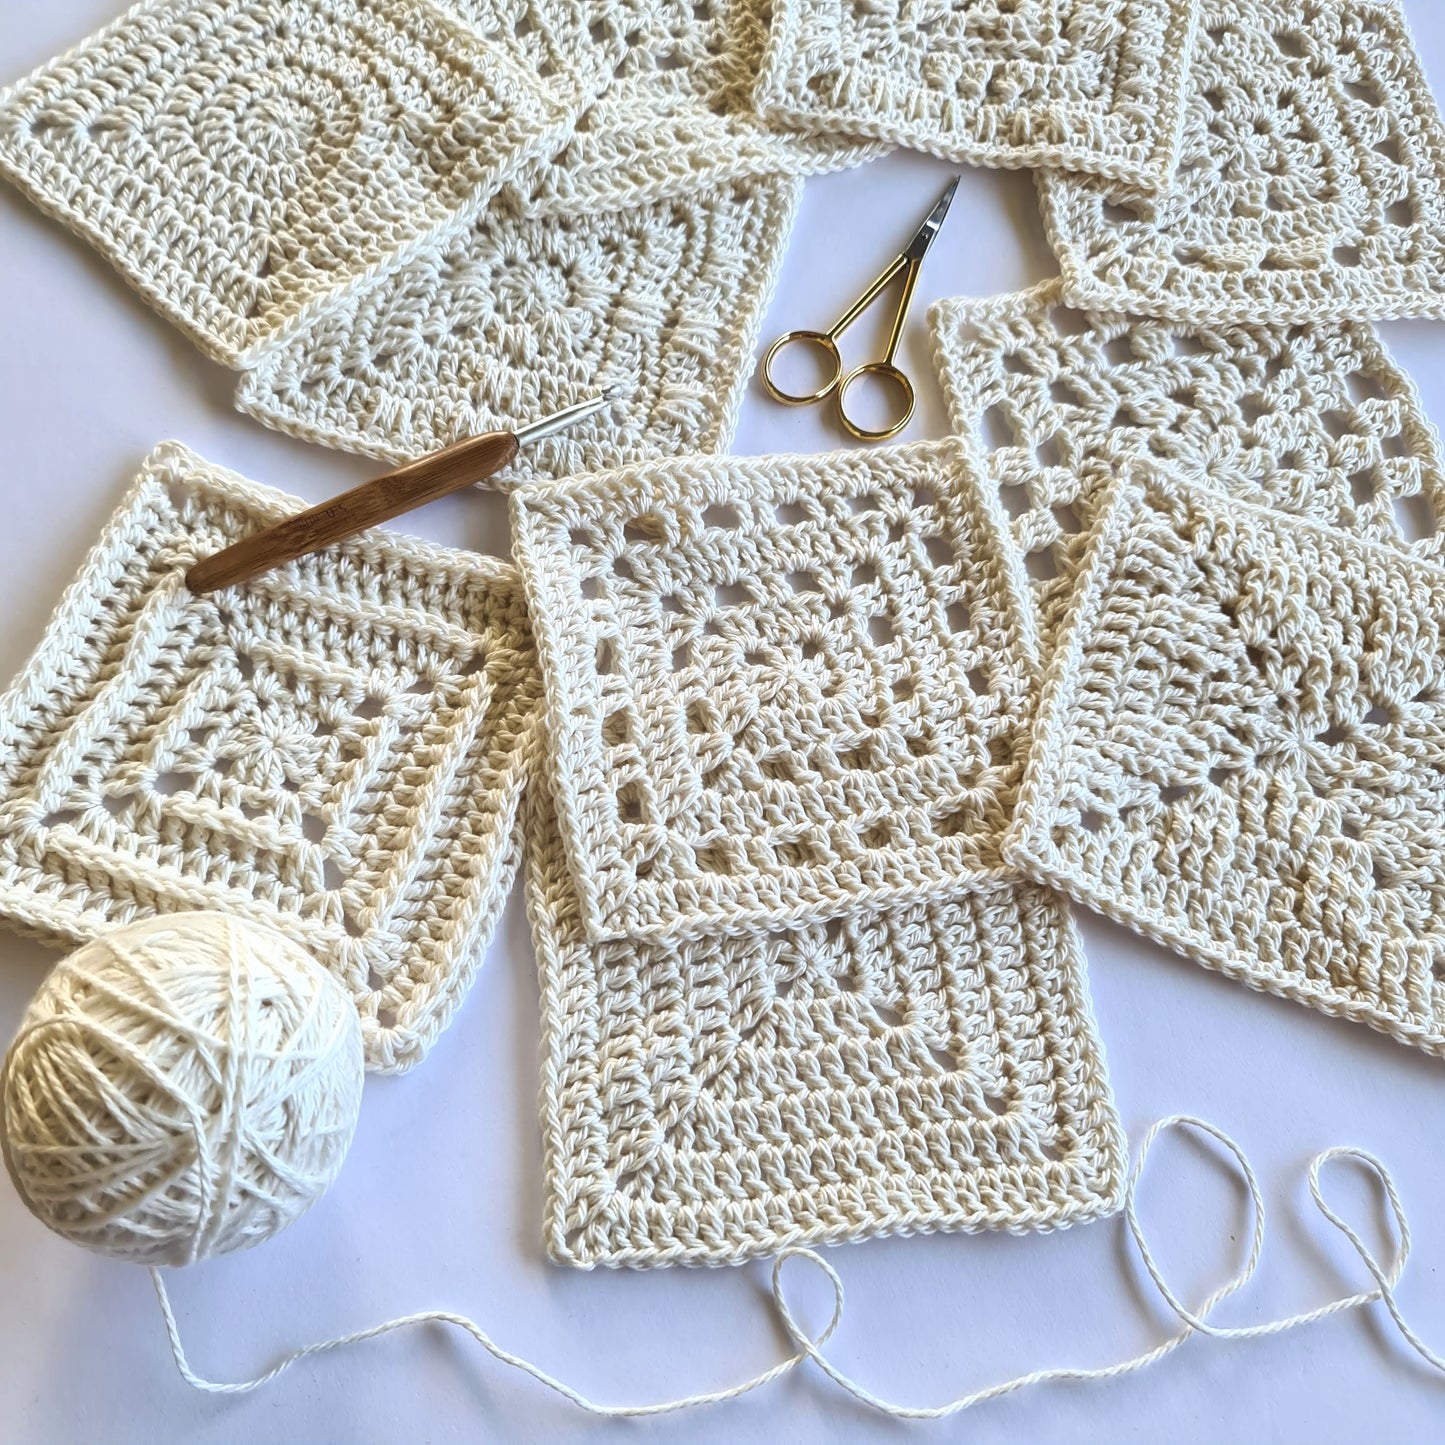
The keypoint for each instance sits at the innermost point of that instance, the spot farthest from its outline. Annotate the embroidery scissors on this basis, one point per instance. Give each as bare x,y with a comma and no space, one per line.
909,262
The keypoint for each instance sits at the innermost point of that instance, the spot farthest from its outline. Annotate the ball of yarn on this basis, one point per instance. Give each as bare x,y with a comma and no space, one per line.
180,1088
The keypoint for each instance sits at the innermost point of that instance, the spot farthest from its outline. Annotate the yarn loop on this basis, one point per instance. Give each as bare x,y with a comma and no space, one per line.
809,1347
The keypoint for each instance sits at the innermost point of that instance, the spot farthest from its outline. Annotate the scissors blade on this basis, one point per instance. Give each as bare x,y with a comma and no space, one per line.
917,248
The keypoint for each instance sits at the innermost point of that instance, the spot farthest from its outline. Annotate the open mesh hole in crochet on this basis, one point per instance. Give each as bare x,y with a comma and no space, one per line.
281,147
1310,162
318,752
924,1067
814,663
1256,774
1315,420
670,89
518,315
1090,84
804,982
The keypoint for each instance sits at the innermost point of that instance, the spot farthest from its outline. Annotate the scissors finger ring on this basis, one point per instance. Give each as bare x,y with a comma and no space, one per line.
885,371
906,264
813,341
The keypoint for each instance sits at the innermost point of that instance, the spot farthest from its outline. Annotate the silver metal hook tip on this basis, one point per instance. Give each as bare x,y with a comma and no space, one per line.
578,411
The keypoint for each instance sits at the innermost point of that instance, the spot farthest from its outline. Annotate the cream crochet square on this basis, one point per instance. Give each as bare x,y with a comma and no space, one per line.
337,749
1309,184
1087,85
572,47
677,113
1241,753
510,319
238,159
917,1068
777,687
1315,420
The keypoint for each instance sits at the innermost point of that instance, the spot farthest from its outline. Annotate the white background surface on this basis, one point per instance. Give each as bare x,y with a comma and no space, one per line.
439,1204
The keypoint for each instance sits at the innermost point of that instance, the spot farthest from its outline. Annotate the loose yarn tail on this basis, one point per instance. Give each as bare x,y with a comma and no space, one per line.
506,1357
810,1347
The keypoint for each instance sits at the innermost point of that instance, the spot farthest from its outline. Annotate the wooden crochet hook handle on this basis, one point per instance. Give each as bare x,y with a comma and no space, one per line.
448,470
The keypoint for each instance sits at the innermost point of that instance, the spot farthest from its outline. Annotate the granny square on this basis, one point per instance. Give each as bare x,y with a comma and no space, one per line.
777,687
919,1068
1086,85
1316,420
1241,752
1309,183
336,749
237,159
512,318
676,114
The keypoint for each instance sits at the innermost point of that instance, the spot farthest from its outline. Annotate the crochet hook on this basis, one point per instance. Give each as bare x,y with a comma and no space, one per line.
449,470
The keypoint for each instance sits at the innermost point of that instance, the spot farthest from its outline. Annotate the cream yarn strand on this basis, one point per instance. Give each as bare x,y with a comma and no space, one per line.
180,1087
1195,1321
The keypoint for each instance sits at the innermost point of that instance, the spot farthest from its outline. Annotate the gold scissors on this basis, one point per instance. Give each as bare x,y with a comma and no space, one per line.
909,262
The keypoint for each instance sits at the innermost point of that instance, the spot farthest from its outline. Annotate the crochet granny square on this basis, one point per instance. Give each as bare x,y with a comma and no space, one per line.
1315,420
777,687
1087,85
237,159
921,1068
510,319
568,46
1241,753
1309,183
676,115
336,749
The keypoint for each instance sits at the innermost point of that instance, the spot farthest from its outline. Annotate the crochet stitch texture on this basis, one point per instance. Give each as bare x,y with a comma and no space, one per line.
676,114
918,1068
777,688
515,318
1239,753
1309,183
1314,420
337,749
1092,85
238,159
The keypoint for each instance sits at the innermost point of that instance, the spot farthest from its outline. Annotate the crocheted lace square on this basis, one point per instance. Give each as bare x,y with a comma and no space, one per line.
511,319
1314,420
1309,183
1240,753
336,749
777,687
676,115
237,159
920,1068
1090,85
572,47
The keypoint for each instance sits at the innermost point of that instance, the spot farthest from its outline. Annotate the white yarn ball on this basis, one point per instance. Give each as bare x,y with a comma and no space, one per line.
180,1088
